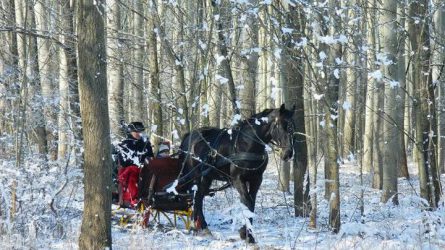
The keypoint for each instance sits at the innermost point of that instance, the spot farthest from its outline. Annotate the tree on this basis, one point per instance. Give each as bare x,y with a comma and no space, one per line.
96,225
292,78
222,10
424,103
138,111
115,69
37,118
439,78
391,155
330,83
155,83
47,79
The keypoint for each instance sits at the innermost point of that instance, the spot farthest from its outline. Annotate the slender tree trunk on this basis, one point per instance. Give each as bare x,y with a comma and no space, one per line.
37,118
391,135
439,78
47,78
115,69
292,77
69,10
139,109
223,11
263,42
377,142
250,65
401,68
424,104
331,85
176,59
95,231
368,136
155,83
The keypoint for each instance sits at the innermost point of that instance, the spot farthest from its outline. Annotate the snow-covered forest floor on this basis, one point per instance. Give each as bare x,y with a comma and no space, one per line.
384,226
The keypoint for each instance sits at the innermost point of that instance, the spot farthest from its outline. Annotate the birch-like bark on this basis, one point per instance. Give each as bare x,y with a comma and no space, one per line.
115,69
139,110
155,84
439,79
47,76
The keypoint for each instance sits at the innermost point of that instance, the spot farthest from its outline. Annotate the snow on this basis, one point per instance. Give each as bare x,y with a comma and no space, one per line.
222,80
286,30
322,55
377,75
394,84
277,53
205,110
318,96
346,105
382,226
219,59
236,119
175,134
337,73
172,188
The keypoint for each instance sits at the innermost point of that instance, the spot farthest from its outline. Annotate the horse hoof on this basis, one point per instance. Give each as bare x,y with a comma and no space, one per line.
203,232
250,239
206,232
242,232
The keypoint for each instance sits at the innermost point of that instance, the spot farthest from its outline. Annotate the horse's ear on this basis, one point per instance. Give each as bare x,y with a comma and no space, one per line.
282,108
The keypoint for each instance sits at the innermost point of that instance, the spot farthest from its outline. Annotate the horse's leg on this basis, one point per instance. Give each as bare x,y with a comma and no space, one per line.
198,214
246,199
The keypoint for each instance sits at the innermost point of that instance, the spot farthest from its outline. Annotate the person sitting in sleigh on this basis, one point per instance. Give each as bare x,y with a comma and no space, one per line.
132,152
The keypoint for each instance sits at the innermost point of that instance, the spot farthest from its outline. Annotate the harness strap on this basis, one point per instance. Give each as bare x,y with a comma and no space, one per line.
240,156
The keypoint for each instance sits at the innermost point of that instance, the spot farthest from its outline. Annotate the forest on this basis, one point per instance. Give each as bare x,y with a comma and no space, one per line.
364,80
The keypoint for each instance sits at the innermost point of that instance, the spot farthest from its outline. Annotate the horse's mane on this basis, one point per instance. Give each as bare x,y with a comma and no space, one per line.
263,113
254,117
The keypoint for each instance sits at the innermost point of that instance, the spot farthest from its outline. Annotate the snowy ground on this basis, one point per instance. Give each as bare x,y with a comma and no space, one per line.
384,226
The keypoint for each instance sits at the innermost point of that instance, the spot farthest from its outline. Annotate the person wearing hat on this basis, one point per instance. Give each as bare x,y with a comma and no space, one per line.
164,150
132,153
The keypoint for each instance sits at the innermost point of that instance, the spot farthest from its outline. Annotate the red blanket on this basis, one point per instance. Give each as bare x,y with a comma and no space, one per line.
128,178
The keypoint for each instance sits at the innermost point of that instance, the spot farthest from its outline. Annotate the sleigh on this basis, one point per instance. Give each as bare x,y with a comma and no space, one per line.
160,195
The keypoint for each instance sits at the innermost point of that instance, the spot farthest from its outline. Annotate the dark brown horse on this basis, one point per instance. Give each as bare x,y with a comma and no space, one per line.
237,155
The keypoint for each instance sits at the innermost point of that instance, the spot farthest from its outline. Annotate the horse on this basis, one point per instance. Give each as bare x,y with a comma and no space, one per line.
236,155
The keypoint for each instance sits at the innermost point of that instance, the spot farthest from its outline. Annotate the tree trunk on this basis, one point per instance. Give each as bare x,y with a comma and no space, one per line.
139,110
155,84
331,85
368,135
115,70
96,225
249,65
47,78
391,135
439,79
68,11
424,104
401,76
37,118
223,11
292,78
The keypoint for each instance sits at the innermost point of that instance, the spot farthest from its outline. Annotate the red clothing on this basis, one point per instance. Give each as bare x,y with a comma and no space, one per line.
128,178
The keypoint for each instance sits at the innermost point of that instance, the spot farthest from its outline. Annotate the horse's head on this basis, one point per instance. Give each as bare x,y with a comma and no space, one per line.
282,130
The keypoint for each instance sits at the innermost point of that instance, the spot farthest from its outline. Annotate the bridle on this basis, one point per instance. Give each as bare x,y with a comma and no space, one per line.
289,129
